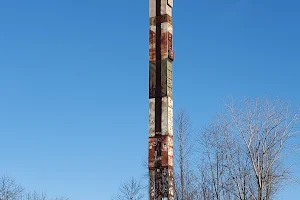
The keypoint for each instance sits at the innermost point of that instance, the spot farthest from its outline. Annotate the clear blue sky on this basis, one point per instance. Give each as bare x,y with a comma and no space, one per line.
74,81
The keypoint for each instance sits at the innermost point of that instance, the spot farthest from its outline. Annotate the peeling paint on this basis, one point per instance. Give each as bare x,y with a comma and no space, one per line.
166,30
151,117
152,8
152,44
166,8
167,116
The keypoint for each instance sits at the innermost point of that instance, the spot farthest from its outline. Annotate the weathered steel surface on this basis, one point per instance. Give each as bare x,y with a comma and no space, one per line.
160,19
152,190
167,116
160,151
166,78
170,46
152,8
161,55
161,178
166,30
152,44
166,42
167,151
152,79
165,8
151,117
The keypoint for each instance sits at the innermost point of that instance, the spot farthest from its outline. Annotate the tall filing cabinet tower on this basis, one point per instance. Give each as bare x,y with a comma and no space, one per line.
161,56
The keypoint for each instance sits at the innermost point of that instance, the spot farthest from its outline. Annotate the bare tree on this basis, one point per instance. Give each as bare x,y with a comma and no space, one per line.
213,163
224,165
265,127
185,178
34,196
130,190
40,196
245,148
9,189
